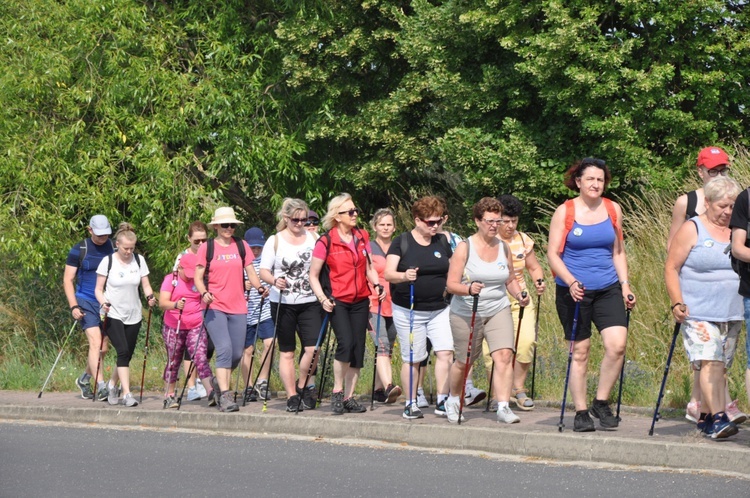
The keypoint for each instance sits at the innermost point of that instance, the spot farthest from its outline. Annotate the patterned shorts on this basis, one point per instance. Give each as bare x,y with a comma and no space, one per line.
710,341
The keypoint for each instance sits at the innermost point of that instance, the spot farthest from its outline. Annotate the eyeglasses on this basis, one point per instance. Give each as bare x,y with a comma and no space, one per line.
714,172
509,221
297,221
199,241
314,222
228,225
494,222
432,223
350,212
594,161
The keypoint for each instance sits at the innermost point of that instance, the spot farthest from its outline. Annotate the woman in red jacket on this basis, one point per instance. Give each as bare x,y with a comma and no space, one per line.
344,249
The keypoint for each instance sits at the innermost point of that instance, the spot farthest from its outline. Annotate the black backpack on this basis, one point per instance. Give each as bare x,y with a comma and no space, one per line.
83,249
109,266
740,267
210,257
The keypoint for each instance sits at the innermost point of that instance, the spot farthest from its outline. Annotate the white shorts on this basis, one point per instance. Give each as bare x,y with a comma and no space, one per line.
710,341
434,325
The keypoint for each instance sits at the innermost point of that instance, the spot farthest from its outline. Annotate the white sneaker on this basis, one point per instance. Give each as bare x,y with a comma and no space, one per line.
200,389
451,411
474,396
735,414
193,394
506,415
112,397
422,401
129,400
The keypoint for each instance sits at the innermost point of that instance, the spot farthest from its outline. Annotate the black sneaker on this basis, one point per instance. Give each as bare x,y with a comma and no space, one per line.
227,404
352,406
308,398
213,397
85,388
379,396
103,393
392,394
262,391
250,395
601,410
294,404
583,422
705,424
412,412
337,403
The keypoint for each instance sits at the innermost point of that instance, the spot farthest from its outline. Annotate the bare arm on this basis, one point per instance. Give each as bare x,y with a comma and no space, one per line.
679,212
456,272
620,262
99,292
683,242
556,229
146,284
69,278
397,277
739,251
536,272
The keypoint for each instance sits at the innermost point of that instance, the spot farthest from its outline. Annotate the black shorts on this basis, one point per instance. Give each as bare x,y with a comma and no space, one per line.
306,319
605,307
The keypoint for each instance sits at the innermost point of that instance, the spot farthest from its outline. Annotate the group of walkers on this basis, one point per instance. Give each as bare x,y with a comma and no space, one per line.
428,289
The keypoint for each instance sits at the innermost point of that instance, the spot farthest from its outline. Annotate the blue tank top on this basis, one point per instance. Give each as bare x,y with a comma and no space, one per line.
709,285
588,255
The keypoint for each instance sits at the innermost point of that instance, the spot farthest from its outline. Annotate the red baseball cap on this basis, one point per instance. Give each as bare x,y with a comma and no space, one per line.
711,157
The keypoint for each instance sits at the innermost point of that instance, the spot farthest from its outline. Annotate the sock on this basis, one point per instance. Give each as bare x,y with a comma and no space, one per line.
581,412
454,399
469,384
420,391
100,384
414,401
110,386
85,377
501,405
441,398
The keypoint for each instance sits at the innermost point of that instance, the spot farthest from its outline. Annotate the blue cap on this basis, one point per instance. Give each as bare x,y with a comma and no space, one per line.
254,237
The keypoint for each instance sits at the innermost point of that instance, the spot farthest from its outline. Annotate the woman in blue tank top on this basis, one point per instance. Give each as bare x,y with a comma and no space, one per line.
703,289
587,255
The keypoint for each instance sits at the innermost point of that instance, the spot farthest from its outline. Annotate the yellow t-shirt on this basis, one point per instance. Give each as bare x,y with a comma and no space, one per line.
521,245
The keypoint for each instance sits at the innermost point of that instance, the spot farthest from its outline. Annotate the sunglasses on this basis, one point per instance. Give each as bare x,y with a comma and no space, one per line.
432,223
199,241
314,222
297,221
228,225
350,212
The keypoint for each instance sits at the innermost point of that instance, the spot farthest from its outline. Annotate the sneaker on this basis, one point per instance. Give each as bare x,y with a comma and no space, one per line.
422,401
506,415
392,394
227,404
112,397
705,424
474,396
250,395
129,400
200,389
213,398
493,405
351,405
261,389
193,394
85,388
693,411
734,413
723,427
583,422
452,411
439,409
337,403
103,394
294,404
522,400
170,402
601,410
412,412
379,395
309,400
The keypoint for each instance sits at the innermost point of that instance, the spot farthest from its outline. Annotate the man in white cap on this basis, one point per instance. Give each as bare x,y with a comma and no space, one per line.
81,264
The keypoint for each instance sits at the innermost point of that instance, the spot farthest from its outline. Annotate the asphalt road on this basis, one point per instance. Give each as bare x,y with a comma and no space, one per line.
42,460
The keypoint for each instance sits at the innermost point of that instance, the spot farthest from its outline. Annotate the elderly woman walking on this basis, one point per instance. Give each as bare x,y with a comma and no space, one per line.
702,288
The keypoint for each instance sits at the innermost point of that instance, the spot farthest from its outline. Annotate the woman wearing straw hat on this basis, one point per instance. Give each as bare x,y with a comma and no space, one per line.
224,258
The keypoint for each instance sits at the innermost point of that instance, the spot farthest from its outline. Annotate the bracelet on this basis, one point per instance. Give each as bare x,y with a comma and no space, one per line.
76,306
625,282
204,294
676,305
322,299
175,305
149,297
576,282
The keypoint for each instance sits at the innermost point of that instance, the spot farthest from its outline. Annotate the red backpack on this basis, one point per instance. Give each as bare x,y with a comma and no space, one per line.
570,218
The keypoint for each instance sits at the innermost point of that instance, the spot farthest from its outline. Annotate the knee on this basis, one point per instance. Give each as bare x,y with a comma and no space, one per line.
504,356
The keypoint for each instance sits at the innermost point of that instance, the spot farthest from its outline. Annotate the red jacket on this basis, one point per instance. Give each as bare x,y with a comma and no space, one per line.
347,270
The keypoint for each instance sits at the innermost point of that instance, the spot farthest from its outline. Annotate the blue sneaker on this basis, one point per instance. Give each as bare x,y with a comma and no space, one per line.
723,428
440,409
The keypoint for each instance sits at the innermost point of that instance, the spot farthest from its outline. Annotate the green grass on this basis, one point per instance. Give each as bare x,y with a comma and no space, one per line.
34,321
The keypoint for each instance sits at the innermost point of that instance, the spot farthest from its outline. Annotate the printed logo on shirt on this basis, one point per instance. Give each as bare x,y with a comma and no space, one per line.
227,257
578,231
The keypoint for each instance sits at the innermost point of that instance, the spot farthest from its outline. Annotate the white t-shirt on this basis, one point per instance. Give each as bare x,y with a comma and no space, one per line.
293,263
121,289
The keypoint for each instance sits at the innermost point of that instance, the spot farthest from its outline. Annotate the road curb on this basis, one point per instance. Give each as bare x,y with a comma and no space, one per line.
566,446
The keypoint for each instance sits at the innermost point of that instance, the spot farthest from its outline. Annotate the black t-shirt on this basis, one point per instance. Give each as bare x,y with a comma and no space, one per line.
739,220
433,262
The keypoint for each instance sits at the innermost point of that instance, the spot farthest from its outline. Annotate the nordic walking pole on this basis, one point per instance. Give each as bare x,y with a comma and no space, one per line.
468,352
411,342
192,359
518,331
58,359
321,389
489,390
570,360
536,338
145,353
375,356
666,371
252,358
169,356
101,344
314,357
624,355
269,356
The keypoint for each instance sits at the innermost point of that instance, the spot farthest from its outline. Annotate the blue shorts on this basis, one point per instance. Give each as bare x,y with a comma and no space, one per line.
265,331
91,317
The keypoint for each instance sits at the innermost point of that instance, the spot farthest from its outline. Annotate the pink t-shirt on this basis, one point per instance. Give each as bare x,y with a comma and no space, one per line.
192,314
225,278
